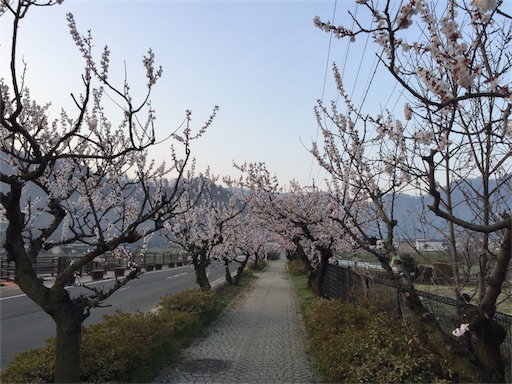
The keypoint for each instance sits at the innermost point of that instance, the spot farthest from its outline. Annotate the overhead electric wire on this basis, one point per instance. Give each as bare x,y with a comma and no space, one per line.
328,53
325,80
342,75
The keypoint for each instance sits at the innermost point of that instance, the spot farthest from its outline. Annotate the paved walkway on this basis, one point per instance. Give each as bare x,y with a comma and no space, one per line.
258,339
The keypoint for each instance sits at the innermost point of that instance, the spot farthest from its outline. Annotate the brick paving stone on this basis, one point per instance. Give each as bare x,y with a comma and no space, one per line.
258,339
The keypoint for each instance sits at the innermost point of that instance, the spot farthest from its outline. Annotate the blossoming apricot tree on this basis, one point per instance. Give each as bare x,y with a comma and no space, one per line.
453,62
299,218
203,223
245,239
80,180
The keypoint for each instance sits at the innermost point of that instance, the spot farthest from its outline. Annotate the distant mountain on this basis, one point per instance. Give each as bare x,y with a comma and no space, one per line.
414,218
413,214
34,193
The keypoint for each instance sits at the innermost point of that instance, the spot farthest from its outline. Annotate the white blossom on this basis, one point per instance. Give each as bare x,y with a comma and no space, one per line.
484,5
458,332
407,111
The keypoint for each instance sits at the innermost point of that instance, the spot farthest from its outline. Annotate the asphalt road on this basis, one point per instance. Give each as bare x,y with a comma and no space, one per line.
24,325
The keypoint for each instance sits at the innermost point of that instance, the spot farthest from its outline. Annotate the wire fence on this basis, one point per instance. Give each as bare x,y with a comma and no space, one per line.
346,283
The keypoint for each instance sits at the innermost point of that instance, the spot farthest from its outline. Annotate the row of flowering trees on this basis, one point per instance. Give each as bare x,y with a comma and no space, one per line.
78,179
207,222
453,63
455,138
96,185
455,71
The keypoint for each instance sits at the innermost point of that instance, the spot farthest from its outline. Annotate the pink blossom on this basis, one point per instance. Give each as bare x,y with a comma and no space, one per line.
458,332
443,143
423,137
407,111
484,5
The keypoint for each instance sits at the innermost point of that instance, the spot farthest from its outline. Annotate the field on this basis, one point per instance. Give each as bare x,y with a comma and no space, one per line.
504,303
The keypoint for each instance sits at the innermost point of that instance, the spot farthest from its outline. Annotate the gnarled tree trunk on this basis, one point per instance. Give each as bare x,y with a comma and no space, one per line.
485,364
69,335
490,335
227,273
240,269
201,262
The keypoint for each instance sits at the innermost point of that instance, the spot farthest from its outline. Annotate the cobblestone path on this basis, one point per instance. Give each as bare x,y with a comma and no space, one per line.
259,339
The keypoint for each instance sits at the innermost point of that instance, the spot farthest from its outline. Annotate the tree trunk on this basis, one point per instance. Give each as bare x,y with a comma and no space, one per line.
201,277
200,263
229,280
485,365
310,271
490,335
57,303
317,276
67,358
313,283
240,269
430,333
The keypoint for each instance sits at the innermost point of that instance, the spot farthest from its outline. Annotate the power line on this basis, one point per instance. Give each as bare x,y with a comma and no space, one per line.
325,80
342,73
328,53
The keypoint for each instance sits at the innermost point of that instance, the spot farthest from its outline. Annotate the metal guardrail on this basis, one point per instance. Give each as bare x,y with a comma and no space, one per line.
7,271
52,265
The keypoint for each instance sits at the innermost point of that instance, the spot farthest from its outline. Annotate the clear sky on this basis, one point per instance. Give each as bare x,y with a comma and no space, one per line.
263,62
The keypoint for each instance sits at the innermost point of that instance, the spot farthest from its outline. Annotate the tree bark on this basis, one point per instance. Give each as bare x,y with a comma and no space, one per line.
490,335
462,362
69,336
229,279
240,269
316,276
200,262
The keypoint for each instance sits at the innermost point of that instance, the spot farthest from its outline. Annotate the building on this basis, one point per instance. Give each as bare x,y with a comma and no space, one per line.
428,245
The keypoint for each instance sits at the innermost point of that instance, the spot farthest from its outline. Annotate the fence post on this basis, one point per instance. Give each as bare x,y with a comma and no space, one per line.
399,305
349,283
339,282
61,264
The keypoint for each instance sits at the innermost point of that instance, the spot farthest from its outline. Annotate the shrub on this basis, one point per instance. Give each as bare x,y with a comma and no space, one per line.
410,263
364,343
32,366
297,267
190,300
247,273
426,273
261,265
123,344
112,350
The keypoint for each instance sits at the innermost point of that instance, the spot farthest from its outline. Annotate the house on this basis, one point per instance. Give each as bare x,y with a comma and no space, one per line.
428,245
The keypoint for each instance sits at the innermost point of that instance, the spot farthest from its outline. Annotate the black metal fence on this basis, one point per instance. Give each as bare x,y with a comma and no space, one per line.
47,265
346,283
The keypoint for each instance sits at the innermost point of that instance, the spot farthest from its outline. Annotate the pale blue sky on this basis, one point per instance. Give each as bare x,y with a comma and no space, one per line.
262,62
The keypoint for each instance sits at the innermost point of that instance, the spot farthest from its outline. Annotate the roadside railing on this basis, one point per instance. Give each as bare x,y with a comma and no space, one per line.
52,265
